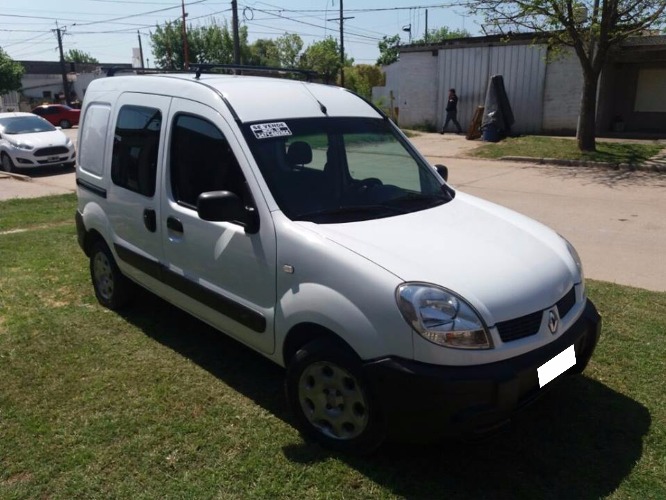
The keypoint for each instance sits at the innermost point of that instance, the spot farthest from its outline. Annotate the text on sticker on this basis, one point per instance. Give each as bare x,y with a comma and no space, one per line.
268,130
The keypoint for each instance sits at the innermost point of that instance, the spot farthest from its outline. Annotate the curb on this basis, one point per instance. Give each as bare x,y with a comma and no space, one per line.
649,165
18,177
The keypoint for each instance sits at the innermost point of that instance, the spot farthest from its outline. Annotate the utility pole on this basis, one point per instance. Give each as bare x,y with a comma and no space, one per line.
63,70
426,32
140,49
234,25
186,51
342,42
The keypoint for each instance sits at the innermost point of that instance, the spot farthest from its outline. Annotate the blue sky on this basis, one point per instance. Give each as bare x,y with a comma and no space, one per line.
107,29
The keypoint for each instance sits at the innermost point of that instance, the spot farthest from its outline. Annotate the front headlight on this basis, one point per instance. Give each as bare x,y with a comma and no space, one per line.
577,261
442,317
22,145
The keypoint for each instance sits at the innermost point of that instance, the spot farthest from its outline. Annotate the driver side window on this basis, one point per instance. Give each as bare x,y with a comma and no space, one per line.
201,161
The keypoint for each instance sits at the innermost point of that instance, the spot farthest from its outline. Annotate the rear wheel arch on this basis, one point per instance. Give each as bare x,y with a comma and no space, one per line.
91,237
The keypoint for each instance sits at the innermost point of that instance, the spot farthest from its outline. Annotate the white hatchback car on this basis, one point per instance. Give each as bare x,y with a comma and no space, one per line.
28,141
298,219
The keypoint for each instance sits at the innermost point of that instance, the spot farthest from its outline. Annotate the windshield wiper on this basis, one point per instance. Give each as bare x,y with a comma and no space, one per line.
414,198
351,210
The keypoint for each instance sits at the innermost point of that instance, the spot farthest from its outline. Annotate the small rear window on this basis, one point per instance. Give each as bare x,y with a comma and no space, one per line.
93,138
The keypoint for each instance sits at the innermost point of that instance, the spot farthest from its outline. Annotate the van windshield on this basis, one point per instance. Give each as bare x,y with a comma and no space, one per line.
330,170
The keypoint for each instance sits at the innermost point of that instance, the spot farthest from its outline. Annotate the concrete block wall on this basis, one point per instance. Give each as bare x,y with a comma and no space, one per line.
417,90
561,98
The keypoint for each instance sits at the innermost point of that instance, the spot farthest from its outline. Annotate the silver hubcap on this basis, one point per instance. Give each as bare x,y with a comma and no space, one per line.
103,275
332,400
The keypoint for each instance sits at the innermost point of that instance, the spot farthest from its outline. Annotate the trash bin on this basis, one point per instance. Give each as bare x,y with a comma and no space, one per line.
490,133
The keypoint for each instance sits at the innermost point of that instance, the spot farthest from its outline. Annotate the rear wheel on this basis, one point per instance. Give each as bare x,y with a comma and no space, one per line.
7,163
65,124
112,288
331,399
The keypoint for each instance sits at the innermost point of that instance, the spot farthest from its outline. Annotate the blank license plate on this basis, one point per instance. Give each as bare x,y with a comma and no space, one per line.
556,366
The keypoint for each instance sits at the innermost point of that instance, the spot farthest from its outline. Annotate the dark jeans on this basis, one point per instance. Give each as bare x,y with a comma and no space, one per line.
451,116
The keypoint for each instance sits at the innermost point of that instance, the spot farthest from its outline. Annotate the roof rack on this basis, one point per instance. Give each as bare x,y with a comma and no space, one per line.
112,70
209,68
206,68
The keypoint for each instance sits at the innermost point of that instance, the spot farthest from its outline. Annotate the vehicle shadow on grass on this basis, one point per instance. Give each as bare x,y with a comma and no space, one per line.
580,441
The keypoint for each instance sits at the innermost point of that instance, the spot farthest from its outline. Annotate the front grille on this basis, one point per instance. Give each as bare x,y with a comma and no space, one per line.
529,324
519,328
565,304
52,151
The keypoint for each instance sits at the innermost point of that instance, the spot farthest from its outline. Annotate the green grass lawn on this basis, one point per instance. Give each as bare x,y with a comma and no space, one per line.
566,149
152,403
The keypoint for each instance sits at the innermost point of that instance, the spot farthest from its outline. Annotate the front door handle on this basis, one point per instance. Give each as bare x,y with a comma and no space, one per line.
174,224
150,220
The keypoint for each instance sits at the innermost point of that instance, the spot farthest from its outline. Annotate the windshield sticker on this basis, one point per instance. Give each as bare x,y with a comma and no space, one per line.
268,130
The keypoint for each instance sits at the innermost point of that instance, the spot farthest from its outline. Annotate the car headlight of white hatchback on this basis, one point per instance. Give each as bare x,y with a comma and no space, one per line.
442,317
22,145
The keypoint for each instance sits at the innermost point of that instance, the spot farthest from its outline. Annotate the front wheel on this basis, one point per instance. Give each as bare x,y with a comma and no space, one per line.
331,400
112,288
65,124
7,163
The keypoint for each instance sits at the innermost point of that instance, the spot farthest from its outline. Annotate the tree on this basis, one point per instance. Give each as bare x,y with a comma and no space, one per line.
211,44
289,48
592,27
442,34
362,77
10,73
264,52
283,52
389,50
324,58
79,56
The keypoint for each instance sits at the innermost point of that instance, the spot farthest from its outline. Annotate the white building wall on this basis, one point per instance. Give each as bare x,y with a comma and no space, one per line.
561,99
417,89
33,86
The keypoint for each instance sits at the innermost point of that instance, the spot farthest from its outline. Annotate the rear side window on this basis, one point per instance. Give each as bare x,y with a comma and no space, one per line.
93,138
201,161
135,146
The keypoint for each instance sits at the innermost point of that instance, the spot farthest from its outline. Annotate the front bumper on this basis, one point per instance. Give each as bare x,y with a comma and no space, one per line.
29,160
421,400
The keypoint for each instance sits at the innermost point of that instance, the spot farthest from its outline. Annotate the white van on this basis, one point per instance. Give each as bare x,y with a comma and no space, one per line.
298,219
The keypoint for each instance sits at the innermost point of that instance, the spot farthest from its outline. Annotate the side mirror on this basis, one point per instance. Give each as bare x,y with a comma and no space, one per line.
443,171
225,206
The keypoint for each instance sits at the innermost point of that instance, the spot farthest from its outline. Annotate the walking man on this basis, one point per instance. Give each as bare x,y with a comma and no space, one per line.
452,112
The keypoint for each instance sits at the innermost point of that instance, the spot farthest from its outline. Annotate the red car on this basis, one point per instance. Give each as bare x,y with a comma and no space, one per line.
58,114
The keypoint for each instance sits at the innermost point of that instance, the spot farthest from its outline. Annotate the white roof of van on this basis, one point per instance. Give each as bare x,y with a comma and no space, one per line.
252,98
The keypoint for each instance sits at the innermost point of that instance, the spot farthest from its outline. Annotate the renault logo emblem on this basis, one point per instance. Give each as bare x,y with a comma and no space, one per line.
553,321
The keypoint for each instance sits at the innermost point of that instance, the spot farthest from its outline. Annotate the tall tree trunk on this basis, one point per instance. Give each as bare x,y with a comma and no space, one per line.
587,119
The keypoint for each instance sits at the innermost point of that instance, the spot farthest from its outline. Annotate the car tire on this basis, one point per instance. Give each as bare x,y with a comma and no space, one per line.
7,163
331,399
65,124
112,289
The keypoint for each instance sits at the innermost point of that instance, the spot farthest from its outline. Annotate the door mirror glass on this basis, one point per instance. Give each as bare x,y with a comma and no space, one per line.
224,206
443,171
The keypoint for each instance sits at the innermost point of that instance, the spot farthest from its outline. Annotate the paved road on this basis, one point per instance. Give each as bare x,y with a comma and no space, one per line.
616,219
